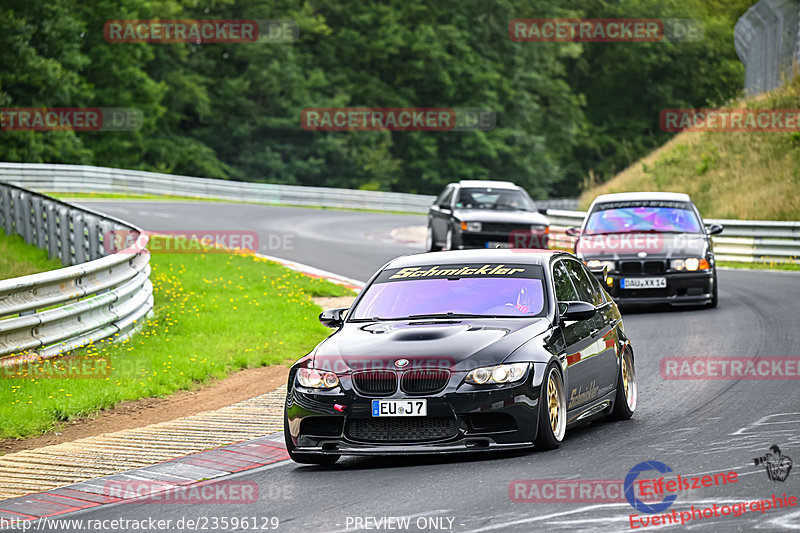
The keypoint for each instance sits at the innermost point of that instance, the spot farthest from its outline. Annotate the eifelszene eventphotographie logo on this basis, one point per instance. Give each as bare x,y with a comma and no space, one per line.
776,464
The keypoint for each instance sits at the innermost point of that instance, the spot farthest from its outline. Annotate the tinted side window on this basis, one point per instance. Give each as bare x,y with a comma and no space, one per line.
582,282
565,292
599,294
446,196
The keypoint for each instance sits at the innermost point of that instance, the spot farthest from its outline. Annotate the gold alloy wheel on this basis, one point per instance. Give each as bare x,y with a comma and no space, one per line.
556,404
553,403
629,381
625,383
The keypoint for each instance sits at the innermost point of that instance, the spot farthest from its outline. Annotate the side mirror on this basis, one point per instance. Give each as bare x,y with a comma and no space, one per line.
333,318
445,207
573,232
714,229
577,310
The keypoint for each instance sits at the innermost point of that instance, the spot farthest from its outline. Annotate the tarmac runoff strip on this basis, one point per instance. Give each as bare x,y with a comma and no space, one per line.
61,478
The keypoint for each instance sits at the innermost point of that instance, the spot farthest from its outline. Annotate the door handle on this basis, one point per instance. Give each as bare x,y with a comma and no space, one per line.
594,332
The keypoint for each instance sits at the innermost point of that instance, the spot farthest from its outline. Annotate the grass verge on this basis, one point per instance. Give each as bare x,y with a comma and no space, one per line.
761,265
747,176
215,313
18,258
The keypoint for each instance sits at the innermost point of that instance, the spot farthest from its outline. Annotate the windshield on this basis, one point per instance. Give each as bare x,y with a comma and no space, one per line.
498,199
490,290
622,217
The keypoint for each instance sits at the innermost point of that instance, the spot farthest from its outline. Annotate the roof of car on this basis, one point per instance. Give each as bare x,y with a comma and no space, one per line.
506,256
488,183
634,196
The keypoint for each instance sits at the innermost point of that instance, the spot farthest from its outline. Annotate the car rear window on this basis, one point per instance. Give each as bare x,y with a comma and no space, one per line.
471,289
660,216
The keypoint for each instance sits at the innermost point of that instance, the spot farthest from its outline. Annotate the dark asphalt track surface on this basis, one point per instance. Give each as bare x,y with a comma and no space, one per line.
695,427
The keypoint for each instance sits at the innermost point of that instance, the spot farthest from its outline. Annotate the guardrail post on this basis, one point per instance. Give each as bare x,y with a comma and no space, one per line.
21,216
39,223
7,214
52,229
64,251
79,237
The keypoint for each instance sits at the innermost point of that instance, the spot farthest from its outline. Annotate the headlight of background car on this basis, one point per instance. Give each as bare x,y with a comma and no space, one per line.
691,264
317,379
594,263
471,226
497,374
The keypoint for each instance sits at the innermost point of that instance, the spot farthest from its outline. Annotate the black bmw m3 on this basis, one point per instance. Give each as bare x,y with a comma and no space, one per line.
462,351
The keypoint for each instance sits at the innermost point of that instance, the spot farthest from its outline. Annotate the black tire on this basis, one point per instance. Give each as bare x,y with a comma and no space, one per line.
430,241
714,294
448,243
627,389
551,431
305,458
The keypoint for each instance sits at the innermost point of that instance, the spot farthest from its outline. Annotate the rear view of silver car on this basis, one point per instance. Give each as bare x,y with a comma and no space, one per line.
654,247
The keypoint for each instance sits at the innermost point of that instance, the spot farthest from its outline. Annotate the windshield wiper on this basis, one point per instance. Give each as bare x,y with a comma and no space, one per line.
631,231
449,314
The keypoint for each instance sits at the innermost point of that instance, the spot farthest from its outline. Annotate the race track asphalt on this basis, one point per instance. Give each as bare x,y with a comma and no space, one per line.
696,427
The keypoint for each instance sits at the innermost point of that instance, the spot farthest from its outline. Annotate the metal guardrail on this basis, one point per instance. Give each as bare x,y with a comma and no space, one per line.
767,41
747,241
743,241
87,179
93,298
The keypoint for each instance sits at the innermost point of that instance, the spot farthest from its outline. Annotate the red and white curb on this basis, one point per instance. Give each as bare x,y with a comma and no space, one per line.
187,479
314,272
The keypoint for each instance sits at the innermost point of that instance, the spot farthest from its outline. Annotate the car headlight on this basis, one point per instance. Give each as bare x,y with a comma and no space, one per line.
471,226
691,264
317,379
540,229
497,374
594,263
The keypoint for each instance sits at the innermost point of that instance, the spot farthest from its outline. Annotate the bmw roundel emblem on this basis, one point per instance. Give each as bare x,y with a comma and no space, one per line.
400,363
642,254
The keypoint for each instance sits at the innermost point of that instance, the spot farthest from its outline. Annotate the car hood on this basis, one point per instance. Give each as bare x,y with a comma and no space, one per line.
633,244
454,344
508,217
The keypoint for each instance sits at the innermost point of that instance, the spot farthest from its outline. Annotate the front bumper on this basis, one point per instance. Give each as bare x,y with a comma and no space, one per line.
512,239
682,289
461,418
